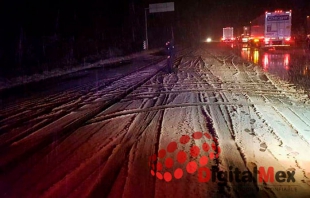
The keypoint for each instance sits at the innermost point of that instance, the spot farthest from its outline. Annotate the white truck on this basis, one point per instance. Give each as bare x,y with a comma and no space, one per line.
228,34
278,28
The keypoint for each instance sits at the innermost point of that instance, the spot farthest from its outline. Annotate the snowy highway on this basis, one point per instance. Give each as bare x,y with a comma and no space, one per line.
219,126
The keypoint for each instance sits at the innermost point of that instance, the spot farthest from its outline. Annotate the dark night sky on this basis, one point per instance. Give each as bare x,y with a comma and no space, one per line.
26,23
40,17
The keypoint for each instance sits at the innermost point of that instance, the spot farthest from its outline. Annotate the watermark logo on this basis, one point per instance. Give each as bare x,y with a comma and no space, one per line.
256,175
173,163
192,162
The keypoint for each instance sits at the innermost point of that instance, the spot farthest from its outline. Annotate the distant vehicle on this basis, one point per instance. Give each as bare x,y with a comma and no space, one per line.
271,29
244,38
208,40
257,31
228,34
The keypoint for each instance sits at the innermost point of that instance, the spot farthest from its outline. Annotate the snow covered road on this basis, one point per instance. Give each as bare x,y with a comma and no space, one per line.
217,127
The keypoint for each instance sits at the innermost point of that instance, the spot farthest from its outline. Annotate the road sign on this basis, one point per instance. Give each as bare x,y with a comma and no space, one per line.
161,7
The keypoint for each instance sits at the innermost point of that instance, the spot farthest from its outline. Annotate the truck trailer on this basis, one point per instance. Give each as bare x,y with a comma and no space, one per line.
271,29
278,28
228,34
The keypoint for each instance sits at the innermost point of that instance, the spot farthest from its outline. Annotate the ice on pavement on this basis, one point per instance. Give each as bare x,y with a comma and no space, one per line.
100,143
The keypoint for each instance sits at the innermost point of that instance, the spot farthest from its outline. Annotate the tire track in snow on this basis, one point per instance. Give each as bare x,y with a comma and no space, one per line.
216,132
230,155
227,89
38,172
273,106
270,191
229,124
54,101
70,122
115,161
162,99
187,123
171,106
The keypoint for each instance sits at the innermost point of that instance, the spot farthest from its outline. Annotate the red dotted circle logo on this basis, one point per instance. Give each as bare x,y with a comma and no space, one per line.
172,162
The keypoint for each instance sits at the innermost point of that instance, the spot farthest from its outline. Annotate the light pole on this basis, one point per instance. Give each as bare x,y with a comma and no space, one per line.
146,36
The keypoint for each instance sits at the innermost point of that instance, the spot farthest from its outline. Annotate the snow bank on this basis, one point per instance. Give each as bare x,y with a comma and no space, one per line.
9,83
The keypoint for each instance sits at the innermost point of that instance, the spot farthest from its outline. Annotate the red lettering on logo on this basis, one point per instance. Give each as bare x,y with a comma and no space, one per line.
266,176
201,177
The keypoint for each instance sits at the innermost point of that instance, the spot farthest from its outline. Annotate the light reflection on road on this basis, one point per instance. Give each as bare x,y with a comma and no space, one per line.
250,54
277,64
290,65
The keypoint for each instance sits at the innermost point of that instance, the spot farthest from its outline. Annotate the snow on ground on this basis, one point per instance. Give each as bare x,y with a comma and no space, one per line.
153,134
9,83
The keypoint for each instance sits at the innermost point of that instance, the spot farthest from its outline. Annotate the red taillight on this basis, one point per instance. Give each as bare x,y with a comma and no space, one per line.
288,39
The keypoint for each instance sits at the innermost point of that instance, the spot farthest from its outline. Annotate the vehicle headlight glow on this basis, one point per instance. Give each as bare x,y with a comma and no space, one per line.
209,40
